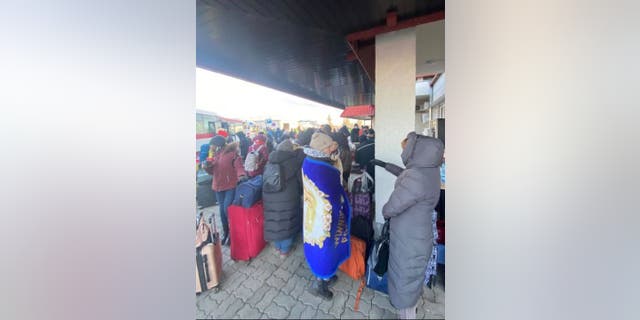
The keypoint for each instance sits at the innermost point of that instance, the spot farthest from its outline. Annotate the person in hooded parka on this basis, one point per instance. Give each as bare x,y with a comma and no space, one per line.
283,208
409,210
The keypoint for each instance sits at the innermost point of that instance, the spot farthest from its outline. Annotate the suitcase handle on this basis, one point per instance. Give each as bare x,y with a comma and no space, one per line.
212,222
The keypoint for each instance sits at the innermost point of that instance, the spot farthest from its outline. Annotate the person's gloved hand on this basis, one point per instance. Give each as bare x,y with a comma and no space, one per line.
377,162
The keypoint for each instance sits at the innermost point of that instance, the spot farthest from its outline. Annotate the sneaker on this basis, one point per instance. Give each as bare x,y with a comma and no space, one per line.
283,254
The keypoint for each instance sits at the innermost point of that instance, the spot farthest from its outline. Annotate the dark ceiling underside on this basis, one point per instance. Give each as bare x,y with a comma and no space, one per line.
296,46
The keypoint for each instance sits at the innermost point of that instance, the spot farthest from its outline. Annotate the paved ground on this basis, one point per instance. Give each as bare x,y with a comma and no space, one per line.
269,287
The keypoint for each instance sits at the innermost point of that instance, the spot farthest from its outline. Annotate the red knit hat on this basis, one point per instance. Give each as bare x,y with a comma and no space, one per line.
223,133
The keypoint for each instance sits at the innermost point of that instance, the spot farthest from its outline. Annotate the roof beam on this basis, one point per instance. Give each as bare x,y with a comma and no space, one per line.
365,53
393,25
433,81
426,75
392,19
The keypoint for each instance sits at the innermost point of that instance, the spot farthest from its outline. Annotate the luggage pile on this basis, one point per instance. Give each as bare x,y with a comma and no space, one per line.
376,252
246,220
360,189
246,223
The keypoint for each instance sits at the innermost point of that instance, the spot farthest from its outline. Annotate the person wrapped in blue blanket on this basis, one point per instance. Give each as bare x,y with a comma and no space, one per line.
327,213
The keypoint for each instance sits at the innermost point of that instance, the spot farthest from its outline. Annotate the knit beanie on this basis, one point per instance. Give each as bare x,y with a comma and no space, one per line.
285,145
218,141
223,133
320,141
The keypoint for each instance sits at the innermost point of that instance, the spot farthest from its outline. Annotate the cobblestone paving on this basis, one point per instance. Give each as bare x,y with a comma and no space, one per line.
269,287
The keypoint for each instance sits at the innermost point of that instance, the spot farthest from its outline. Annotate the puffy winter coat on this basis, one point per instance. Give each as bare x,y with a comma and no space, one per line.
410,206
226,168
283,209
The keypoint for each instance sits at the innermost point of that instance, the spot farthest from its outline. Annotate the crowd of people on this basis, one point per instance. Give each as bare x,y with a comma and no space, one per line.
315,167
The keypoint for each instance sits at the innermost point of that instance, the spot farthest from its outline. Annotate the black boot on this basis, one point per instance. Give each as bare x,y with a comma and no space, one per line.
320,289
225,236
225,240
332,280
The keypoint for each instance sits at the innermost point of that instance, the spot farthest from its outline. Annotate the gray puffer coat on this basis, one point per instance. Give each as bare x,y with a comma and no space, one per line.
283,209
416,193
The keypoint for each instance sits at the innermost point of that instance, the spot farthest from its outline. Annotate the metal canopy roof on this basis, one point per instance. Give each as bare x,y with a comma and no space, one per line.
298,47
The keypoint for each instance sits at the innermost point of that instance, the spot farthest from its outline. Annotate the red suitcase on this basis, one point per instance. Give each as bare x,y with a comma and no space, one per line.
247,231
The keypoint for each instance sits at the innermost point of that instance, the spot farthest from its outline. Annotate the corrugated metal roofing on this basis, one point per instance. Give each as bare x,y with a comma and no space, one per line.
295,46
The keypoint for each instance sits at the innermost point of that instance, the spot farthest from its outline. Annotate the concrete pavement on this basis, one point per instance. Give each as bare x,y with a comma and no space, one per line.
269,287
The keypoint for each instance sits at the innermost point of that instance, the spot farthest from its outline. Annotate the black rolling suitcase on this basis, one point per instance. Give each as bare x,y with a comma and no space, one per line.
204,194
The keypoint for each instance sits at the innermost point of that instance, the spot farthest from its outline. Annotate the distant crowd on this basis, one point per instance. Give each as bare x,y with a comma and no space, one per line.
348,140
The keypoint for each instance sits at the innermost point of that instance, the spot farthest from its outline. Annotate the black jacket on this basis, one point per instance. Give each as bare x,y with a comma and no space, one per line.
283,209
355,135
244,147
364,154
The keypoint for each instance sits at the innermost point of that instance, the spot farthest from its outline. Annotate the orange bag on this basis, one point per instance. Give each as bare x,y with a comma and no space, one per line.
355,266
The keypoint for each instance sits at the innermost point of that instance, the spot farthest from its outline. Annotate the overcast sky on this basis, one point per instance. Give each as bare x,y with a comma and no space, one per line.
235,98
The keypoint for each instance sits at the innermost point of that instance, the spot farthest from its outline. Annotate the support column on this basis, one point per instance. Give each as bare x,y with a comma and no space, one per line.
395,104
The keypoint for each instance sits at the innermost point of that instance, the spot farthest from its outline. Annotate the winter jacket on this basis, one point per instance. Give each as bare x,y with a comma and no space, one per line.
355,135
364,154
226,168
283,209
410,206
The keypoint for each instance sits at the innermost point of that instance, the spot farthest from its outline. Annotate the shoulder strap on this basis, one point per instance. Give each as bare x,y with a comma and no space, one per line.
366,177
233,161
385,230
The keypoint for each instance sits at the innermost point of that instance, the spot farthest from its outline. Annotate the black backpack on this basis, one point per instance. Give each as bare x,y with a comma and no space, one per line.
273,178
362,228
382,249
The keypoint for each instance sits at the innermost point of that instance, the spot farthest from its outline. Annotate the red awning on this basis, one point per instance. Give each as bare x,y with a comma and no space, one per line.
362,112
